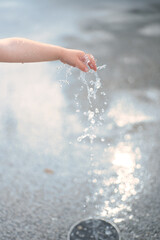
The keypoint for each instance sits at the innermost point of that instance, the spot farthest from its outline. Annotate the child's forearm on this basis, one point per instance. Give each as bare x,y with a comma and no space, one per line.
21,50
25,50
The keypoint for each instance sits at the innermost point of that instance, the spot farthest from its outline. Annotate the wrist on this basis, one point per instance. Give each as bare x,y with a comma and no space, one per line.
61,54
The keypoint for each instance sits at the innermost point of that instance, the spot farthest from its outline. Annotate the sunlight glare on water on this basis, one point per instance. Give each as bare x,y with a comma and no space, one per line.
125,161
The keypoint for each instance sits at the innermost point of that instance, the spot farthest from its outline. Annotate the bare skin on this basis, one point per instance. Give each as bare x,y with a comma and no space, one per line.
21,50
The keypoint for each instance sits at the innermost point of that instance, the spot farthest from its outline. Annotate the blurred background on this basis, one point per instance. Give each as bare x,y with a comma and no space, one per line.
47,181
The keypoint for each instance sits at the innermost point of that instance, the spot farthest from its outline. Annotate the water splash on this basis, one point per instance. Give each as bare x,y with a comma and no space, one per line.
94,114
68,73
92,84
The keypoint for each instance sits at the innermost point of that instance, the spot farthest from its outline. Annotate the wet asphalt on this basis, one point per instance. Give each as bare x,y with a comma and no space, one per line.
47,180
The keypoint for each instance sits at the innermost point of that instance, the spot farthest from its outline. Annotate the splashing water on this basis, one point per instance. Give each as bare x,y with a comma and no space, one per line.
94,114
94,117
67,75
93,86
90,83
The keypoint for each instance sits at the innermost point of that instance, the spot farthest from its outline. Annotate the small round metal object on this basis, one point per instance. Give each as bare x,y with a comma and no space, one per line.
94,229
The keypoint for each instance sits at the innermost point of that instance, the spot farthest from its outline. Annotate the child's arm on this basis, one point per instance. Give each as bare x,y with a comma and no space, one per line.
25,50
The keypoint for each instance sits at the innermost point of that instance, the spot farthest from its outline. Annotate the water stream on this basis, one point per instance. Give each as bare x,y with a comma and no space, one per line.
93,85
90,82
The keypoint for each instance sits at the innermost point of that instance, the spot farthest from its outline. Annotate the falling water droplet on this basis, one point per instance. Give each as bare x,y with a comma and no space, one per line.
96,110
102,139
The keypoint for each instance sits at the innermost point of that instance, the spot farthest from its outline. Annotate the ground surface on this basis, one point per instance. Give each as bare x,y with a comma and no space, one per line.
47,181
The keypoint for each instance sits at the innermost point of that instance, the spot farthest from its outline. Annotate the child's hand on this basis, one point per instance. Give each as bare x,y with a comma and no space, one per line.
79,59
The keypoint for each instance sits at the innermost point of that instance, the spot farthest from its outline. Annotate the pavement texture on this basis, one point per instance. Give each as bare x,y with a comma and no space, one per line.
47,179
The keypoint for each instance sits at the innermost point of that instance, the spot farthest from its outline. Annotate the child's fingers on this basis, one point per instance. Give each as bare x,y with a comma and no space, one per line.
92,63
82,66
89,60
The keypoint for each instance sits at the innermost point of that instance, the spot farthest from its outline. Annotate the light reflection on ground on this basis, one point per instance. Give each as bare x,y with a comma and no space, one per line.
126,111
124,162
